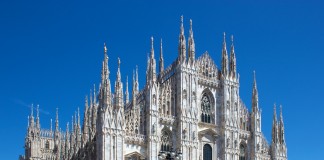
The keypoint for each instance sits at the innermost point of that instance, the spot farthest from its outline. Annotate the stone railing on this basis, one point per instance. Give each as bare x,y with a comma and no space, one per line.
167,119
133,138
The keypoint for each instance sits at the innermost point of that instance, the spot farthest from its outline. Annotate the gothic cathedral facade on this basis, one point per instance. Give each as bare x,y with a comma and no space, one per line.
191,106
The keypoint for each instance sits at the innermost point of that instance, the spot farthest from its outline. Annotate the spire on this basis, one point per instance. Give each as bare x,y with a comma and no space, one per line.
274,125
224,58
78,116
105,90
151,66
67,128
51,129
182,43
255,97
152,48
118,71
134,89
31,117
85,123
72,125
118,89
233,59
56,121
126,92
161,65
37,118
94,94
282,128
136,82
191,45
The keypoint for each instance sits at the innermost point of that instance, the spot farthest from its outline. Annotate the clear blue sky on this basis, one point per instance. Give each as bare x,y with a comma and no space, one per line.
51,53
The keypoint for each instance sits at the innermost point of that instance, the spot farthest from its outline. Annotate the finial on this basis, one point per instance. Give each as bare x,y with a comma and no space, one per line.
32,110
152,42
67,127
232,38
37,110
161,43
136,73
181,19
190,24
105,48
224,36
118,62
94,93
56,113
51,124
254,77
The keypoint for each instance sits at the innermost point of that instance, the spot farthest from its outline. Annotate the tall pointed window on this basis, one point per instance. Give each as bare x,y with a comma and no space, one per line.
47,145
166,141
207,153
205,109
242,152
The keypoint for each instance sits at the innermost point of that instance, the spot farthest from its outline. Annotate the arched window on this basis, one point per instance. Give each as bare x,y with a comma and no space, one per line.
242,152
47,145
205,109
166,141
207,153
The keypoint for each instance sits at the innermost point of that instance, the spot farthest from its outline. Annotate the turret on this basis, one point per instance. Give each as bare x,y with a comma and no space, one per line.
182,43
224,58
191,46
232,60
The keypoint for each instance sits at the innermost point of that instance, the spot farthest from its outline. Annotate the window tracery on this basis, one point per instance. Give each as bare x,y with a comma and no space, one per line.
205,109
242,152
166,141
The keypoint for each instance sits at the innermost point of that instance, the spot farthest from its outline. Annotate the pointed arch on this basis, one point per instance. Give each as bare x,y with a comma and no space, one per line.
166,139
207,106
243,151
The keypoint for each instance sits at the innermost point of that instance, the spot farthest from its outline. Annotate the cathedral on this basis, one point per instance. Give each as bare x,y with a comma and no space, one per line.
190,110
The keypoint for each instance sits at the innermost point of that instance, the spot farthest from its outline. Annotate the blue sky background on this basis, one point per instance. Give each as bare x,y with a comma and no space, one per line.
51,53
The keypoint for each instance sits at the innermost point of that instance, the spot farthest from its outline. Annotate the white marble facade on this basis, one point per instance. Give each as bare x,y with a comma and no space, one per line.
191,106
